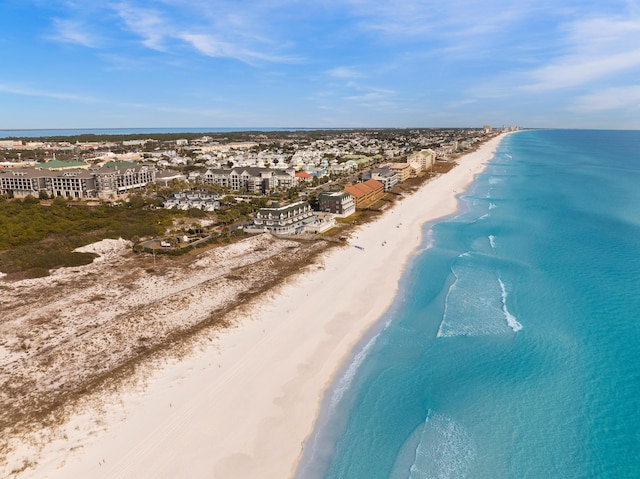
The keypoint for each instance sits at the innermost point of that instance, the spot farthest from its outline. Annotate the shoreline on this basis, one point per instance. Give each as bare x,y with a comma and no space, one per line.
246,405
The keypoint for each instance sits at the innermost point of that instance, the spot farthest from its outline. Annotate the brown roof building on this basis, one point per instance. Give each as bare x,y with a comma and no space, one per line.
366,193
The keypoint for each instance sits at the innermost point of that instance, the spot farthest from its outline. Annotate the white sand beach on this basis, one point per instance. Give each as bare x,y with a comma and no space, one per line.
242,407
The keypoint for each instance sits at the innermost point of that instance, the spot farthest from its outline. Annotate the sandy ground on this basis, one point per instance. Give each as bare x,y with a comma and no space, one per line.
243,405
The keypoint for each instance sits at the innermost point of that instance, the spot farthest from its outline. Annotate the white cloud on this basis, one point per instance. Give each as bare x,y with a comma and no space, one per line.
575,71
623,98
73,31
145,23
212,47
595,49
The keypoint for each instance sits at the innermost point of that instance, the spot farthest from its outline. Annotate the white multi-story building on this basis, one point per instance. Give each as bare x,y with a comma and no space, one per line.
104,182
422,160
253,179
186,201
284,220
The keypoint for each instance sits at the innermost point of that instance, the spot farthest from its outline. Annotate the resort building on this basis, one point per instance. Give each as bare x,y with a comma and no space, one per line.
105,182
366,193
384,175
71,184
117,180
22,182
340,203
284,220
403,170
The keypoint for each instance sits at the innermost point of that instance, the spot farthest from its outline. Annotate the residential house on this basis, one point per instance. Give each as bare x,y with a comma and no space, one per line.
303,177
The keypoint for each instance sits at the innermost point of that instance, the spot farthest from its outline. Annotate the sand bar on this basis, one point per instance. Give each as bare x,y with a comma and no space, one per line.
243,406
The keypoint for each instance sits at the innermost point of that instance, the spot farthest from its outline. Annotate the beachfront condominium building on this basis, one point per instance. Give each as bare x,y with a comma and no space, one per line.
422,160
339,203
366,193
384,175
403,170
284,220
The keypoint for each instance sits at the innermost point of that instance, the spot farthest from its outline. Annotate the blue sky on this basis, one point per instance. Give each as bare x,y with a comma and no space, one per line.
319,63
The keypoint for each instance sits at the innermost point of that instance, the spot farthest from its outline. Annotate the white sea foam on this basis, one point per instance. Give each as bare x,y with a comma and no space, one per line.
511,319
441,332
476,302
445,450
350,373
491,206
492,242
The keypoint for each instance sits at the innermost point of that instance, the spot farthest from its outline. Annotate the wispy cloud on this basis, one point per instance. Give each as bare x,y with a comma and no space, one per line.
212,47
623,98
595,49
372,97
25,91
73,31
450,18
144,22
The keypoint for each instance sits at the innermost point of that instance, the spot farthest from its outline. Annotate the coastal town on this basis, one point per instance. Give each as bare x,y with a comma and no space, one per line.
300,180
74,340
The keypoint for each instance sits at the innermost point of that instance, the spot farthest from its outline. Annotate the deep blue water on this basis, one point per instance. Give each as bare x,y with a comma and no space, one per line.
513,348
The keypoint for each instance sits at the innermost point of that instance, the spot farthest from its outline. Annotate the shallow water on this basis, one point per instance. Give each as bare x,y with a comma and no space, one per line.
513,347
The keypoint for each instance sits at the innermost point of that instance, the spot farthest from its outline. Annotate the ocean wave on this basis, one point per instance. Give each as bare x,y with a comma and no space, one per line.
512,321
445,450
476,302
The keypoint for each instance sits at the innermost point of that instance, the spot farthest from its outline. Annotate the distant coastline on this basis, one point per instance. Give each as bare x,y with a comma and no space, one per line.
44,132
11,133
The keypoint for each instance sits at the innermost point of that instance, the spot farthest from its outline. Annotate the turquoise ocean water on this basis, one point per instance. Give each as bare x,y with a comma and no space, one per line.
513,347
